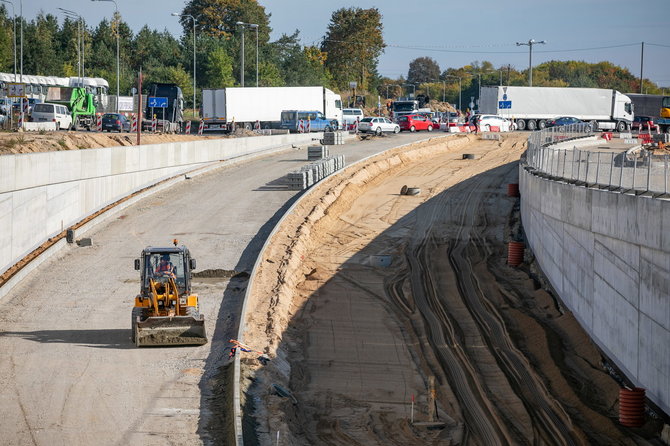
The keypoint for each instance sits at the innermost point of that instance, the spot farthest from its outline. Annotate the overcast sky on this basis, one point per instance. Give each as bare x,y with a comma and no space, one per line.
454,33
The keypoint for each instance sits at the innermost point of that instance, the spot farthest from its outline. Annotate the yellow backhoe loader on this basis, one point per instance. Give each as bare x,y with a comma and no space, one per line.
165,312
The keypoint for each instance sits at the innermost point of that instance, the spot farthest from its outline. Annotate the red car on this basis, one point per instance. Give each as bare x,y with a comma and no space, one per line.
414,123
641,123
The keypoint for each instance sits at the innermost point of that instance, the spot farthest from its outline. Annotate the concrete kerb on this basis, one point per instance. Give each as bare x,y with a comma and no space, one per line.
237,400
160,185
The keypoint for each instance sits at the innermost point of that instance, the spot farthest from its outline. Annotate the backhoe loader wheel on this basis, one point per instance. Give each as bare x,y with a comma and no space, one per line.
137,311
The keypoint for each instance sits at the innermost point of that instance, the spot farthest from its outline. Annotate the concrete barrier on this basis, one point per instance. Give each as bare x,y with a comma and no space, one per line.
607,255
37,126
42,194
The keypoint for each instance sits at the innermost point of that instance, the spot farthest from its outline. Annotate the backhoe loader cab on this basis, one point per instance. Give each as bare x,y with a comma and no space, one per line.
165,312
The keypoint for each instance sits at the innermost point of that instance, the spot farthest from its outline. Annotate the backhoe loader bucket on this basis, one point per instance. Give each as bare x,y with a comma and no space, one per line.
174,330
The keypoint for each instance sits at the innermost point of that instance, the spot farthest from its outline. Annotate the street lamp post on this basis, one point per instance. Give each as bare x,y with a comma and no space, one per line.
460,89
116,17
255,26
176,14
80,44
530,44
413,89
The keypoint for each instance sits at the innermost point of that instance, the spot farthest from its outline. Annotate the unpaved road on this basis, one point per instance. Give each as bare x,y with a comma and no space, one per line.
69,374
367,295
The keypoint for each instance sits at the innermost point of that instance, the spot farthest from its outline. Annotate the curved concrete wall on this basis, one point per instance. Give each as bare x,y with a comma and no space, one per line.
607,255
41,194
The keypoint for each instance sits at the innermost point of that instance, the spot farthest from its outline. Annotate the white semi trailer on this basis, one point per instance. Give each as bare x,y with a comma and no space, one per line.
532,107
248,107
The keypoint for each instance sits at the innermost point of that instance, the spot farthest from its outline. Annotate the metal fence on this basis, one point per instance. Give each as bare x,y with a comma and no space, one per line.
635,171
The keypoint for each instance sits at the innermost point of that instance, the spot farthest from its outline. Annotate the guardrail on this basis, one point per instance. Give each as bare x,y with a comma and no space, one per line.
637,171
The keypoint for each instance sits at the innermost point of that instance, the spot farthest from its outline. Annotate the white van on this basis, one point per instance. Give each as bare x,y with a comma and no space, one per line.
52,113
350,115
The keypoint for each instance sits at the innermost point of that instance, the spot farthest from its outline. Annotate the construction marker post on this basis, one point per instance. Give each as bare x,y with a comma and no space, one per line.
309,125
188,127
201,127
154,124
98,122
133,123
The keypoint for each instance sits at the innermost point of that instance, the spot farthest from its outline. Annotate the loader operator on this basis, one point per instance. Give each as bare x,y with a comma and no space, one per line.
165,268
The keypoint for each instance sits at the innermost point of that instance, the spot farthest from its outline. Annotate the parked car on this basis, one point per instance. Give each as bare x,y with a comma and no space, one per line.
563,120
116,122
487,123
57,113
31,103
314,121
415,122
378,125
350,115
643,122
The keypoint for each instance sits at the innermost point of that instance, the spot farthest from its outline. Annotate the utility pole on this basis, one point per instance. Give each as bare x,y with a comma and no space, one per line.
530,44
641,66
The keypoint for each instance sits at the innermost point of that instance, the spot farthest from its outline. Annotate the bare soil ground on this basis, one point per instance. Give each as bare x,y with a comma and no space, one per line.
366,297
30,142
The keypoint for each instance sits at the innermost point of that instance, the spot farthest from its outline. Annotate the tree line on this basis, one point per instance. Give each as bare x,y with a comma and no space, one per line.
349,51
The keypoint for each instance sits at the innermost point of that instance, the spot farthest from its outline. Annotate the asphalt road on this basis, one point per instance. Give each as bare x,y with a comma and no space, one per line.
69,374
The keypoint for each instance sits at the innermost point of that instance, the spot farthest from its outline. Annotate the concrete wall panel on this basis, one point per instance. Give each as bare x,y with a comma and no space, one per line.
6,223
31,170
655,287
615,323
618,263
654,366
7,173
607,255
44,193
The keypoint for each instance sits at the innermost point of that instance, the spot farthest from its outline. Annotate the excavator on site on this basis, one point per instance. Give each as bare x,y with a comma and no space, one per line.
165,311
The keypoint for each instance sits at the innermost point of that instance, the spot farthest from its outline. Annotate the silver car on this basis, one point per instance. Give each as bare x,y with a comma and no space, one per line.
378,126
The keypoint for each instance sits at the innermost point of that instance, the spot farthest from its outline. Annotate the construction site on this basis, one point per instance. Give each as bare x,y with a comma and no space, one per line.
377,307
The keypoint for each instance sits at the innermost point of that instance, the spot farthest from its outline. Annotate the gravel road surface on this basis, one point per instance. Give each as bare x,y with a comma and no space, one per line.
69,374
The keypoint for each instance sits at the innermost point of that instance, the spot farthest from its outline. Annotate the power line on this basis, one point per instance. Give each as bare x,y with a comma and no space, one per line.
452,48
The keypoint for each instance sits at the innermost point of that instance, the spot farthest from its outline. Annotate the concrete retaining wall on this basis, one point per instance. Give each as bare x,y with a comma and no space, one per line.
41,194
607,255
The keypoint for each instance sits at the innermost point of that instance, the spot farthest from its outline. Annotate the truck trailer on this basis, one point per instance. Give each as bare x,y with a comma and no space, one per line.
532,107
223,109
646,104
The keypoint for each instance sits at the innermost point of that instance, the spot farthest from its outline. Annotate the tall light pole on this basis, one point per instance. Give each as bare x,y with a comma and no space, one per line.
116,18
241,55
530,44
80,44
413,89
176,14
14,14
254,26
460,88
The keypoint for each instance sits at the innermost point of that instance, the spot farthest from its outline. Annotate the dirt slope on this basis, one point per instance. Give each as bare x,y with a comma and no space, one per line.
30,142
366,296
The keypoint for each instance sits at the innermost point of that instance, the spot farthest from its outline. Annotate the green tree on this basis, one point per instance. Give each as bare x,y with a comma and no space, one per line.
218,18
297,66
41,51
269,75
219,69
423,69
353,44
6,40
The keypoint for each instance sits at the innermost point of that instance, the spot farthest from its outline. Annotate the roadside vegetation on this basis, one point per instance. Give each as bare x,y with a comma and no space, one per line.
348,51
